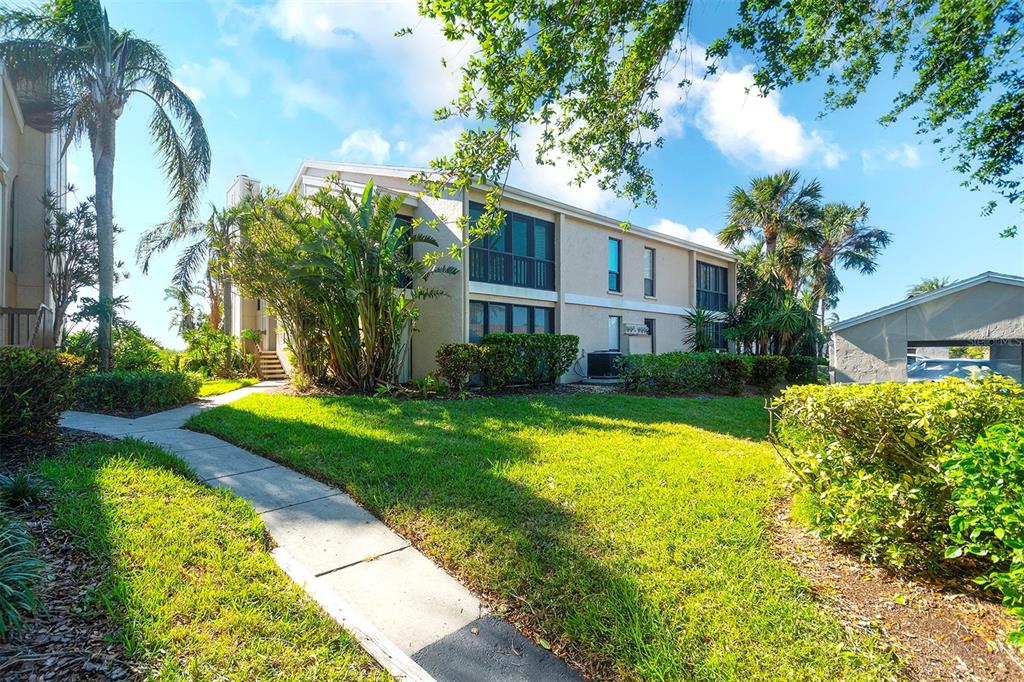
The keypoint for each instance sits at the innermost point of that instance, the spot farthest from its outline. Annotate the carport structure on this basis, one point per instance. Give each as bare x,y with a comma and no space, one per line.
986,310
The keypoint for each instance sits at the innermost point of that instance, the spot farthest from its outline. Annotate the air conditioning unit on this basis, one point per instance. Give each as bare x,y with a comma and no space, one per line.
601,364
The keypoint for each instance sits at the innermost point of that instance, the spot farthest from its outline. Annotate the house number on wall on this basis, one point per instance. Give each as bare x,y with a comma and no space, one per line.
637,330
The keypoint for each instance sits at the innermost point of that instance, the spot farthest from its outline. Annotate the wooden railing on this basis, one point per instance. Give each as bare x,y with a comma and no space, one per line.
25,327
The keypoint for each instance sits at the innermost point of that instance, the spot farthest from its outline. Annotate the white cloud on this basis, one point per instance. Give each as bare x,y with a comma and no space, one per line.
369,28
364,145
904,155
750,128
217,75
435,144
307,95
674,229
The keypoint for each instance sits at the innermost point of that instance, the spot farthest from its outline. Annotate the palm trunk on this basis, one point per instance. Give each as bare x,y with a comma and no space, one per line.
226,290
103,167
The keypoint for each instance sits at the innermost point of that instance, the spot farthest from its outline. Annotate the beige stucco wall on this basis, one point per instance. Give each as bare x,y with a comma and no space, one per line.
876,350
442,319
582,302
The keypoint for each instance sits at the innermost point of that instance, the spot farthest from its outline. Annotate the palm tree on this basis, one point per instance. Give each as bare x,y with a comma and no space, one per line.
208,253
75,74
927,284
775,208
845,240
184,316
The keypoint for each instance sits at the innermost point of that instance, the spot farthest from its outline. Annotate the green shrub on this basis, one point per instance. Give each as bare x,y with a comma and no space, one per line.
456,363
734,372
213,353
497,366
35,388
987,479
768,371
20,574
802,369
135,391
873,453
669,372
537,358
133,350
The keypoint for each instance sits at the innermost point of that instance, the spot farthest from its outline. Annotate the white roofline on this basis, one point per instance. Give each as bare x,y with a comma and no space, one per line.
515,193
998,278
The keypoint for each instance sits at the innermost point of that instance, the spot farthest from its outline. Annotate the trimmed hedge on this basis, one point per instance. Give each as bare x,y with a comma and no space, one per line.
768,371
502,360
456,363
143,391
694,372
36,386
802,369
537,358
873,457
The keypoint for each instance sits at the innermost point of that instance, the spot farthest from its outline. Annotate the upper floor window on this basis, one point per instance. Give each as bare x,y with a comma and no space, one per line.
520,254
404,280
648,271
712,287
614,264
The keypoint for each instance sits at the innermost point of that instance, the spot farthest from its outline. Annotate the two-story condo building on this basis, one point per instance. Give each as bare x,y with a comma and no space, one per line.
30,165
552,268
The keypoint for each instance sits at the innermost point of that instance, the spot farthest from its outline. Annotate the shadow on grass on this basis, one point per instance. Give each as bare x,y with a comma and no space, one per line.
438,471
187,574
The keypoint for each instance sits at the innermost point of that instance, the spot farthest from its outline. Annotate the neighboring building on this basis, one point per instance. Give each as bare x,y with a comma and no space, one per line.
987,310
30,165
553,268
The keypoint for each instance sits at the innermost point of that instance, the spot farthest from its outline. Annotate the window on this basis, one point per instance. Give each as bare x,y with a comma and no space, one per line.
520,254
712,287
493,318
649,323
648,271
614,264
716,330
614,332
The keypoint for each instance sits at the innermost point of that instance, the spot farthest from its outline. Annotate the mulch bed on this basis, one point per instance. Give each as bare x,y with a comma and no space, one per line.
19,453
69,637
941,631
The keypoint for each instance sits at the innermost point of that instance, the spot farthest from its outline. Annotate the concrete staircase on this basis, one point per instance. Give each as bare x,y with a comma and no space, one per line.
270,366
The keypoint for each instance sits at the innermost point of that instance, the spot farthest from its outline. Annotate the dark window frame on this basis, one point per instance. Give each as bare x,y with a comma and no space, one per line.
615,276
712,287
650,288
502,265
716,330
651,323
533,318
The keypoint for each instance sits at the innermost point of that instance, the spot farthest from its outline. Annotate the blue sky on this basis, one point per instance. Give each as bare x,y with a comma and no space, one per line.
284,81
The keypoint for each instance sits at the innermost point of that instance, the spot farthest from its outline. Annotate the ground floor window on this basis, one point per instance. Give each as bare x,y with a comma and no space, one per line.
486,317
649,323
716,330
614,331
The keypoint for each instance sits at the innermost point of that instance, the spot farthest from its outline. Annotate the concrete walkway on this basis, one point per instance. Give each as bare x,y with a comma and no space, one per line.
361,567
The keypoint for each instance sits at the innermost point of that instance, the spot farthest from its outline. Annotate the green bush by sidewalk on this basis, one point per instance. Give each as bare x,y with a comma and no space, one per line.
188,574
873,456
142,391
35,388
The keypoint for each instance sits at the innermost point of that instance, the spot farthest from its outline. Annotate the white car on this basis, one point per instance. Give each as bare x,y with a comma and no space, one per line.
930,369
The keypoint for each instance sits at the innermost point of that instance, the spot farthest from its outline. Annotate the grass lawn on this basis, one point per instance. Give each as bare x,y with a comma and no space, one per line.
218,386
189,576
628,533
